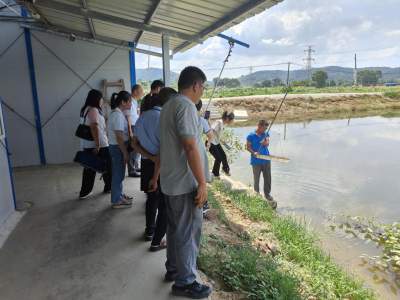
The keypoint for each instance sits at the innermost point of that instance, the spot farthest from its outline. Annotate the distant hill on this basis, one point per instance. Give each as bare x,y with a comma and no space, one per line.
153,74
334,72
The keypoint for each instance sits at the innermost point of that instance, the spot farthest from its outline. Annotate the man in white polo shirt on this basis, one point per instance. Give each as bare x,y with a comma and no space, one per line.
132,116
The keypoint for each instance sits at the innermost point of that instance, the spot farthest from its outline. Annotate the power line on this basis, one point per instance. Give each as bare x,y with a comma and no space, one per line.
309,59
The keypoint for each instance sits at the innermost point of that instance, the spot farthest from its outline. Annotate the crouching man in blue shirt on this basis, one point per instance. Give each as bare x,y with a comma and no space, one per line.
257,143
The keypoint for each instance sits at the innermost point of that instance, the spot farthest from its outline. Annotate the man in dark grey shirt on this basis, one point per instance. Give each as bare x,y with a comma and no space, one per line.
183,182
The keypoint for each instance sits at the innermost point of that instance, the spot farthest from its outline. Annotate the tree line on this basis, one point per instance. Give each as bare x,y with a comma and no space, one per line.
319,79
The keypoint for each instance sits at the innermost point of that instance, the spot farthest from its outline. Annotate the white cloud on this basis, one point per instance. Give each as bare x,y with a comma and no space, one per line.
294,19
393,33
280,42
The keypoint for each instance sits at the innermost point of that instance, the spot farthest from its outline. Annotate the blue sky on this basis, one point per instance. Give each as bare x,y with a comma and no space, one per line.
336,30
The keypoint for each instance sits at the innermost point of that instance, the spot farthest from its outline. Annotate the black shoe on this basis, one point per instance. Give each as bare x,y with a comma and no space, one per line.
155,248
170,276
148,237
194,290
206,207
135,175
84,196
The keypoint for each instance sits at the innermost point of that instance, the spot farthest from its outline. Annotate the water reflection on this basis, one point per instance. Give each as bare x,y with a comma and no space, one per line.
339,167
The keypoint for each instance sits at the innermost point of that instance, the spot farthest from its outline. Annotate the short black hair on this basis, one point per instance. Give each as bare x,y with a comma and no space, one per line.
161,98
157,84
199,105
135,87
117,99
189,76
263,122
228,116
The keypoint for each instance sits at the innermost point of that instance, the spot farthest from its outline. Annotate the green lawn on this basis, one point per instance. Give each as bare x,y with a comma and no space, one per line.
250,91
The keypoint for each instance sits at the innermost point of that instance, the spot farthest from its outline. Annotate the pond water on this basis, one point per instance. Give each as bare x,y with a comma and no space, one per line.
337,167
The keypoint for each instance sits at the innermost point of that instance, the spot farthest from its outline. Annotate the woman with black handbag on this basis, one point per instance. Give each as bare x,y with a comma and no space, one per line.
95,142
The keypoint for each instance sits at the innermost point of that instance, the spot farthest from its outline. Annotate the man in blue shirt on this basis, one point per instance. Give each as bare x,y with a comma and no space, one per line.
257,143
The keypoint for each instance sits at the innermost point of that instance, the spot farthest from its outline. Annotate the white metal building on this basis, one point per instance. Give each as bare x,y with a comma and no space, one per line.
53,51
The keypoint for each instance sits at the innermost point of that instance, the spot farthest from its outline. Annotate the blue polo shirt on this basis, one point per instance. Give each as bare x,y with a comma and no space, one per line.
147,130
255,141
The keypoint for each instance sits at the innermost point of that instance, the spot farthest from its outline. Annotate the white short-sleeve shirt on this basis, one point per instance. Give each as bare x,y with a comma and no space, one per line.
117,122
94,116
133,112
217,127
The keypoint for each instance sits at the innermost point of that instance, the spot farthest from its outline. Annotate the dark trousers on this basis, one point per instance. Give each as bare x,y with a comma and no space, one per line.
89,176
183,237
265,169
156,213
220,157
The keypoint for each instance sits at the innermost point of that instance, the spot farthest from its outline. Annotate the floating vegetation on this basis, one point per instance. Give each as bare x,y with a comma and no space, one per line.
385,236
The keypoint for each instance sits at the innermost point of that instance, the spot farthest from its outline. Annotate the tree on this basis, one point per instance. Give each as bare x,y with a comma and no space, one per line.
266,83
228,82
369,77
332,82
320,77
277,82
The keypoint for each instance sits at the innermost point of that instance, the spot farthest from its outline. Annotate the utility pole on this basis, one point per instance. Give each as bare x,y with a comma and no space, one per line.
288,72
355,70
309,59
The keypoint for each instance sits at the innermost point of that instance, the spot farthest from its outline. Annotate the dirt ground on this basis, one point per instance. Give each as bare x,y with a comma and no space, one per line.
313,106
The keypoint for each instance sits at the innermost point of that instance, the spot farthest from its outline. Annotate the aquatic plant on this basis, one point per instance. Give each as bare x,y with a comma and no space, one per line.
385,236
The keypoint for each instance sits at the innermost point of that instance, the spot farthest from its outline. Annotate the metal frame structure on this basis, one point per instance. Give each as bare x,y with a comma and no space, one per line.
10,169
165,60
132,65
148,19
35,98
186,22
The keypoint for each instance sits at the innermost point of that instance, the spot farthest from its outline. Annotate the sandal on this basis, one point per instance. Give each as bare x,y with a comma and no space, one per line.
122,204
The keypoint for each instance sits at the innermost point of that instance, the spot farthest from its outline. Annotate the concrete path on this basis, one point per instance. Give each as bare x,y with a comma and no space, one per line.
72,249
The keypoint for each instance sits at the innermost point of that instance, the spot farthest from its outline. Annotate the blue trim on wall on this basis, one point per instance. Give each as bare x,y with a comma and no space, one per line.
38,122
132,64
10,170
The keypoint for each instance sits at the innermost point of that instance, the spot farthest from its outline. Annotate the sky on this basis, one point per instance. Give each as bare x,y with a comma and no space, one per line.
335,30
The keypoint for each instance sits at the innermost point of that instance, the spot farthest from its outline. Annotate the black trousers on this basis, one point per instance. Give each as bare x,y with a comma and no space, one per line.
156,213
89,176
220,157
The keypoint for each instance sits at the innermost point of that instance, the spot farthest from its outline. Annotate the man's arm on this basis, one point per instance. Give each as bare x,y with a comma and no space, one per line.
250,149
154,180
139,149
194,161
266,141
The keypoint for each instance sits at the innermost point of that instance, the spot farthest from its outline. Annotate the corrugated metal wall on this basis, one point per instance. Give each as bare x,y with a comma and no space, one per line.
6,196
55,83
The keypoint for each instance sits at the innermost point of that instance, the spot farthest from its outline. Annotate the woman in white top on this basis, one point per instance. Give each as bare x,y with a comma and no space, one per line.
92,116
215,148
118,135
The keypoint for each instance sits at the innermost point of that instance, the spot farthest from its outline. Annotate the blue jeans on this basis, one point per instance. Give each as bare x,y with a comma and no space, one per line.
183,237
118,173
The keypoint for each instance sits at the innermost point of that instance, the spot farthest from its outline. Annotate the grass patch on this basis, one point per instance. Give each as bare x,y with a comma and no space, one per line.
392,94
242,268
251,91
299,249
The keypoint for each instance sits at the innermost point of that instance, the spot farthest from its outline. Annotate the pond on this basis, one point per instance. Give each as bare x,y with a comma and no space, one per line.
337,168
